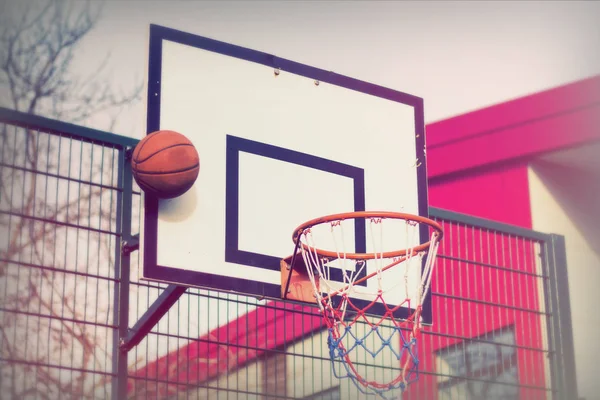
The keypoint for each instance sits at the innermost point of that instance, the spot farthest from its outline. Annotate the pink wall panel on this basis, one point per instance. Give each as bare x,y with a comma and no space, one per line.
492,289
549,103
478,165
500,194
517,142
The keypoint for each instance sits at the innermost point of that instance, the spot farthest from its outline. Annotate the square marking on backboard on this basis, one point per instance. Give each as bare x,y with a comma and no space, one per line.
266,183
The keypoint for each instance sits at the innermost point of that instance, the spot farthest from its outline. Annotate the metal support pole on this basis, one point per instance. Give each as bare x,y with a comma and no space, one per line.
151,317
561,315
122,274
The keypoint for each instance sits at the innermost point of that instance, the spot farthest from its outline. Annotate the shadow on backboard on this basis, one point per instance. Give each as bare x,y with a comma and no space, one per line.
179,208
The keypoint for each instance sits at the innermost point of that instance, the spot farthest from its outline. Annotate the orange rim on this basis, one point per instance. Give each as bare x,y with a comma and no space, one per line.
367,215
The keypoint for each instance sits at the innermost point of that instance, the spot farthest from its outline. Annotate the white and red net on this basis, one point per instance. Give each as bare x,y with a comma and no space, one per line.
371,299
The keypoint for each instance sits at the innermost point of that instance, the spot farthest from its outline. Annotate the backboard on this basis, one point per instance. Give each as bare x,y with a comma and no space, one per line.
280,143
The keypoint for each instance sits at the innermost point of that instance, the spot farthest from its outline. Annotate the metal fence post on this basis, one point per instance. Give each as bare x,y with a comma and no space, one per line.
547,261
561,317
121,306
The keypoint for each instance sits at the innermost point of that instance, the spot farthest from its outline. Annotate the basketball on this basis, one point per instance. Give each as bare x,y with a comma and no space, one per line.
165,164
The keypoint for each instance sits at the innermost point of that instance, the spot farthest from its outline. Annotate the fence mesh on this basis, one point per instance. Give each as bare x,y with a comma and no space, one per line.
58,208
61,233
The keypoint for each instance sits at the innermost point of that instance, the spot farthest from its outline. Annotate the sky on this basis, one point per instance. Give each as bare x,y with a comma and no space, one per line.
458,56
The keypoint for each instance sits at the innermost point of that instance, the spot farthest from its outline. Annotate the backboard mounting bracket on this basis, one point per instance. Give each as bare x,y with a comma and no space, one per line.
131,245
152,316
295,284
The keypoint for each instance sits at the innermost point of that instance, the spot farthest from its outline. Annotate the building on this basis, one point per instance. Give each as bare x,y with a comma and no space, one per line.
532,163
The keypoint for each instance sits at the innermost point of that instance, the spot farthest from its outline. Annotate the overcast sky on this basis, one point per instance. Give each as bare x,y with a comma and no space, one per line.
458,56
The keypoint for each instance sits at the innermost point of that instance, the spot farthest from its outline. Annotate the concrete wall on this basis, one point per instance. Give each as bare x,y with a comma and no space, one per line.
565,201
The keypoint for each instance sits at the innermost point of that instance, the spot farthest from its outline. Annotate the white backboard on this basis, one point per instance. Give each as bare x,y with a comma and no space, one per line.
279,143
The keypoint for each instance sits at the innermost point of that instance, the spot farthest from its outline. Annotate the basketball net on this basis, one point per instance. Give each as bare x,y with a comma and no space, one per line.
349,286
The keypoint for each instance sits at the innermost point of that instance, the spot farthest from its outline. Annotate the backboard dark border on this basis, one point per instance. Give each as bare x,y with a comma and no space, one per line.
158,34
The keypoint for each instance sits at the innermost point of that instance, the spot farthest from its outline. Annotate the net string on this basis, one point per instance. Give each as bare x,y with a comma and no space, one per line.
323,269
319,271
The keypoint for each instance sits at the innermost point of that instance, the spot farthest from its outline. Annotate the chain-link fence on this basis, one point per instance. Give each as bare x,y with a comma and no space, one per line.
71,299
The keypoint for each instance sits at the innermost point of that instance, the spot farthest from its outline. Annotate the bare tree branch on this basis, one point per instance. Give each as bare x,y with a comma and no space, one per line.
35,65
38,49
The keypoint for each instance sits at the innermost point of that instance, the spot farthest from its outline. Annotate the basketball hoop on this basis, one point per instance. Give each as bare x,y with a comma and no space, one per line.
348,285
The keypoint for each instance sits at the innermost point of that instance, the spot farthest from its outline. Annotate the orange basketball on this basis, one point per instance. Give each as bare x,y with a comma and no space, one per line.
165,164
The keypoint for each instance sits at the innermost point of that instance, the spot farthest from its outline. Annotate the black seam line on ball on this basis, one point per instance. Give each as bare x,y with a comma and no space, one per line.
138,172
162,149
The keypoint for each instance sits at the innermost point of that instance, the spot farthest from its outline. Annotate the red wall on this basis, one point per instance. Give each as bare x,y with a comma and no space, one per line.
224,349
478,165
521,129
500,194
473,299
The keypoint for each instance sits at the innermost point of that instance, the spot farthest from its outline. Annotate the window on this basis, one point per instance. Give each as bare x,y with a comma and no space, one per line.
329,394
481,368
